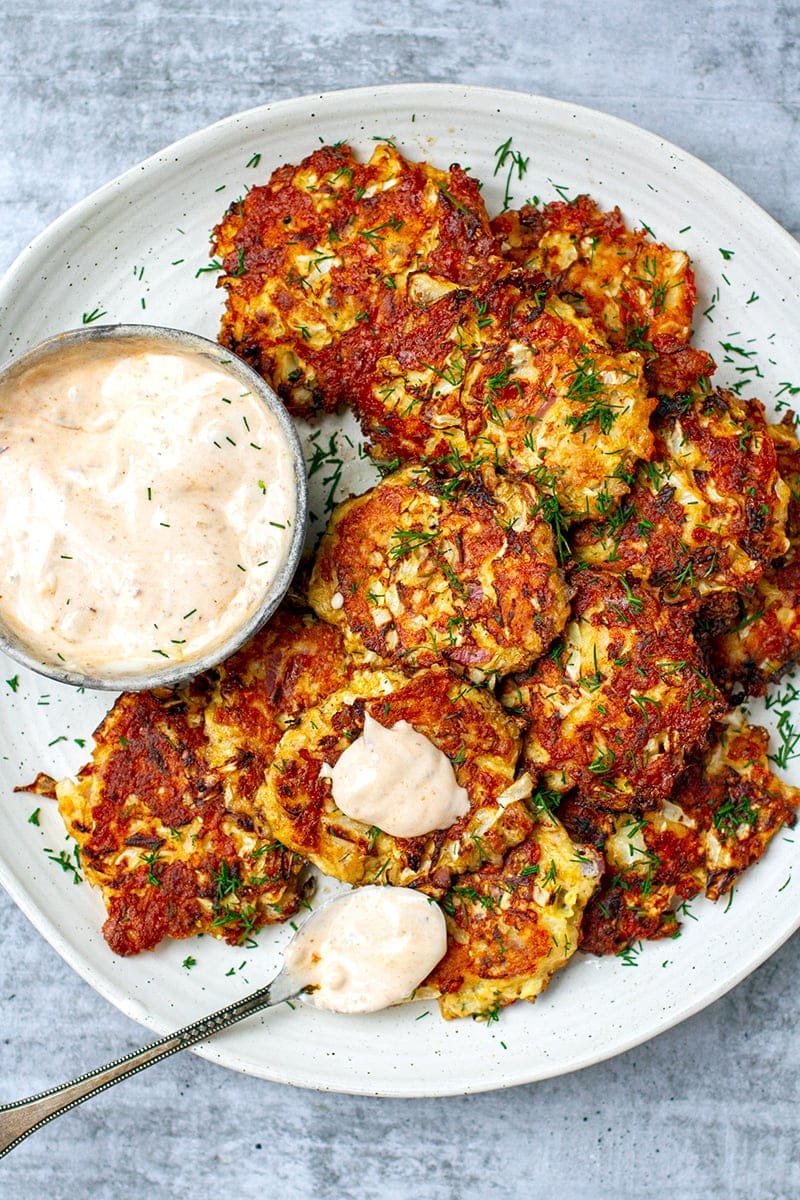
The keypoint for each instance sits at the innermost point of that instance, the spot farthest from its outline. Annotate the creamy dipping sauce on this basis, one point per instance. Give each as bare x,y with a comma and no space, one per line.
368,949
397,780
147,502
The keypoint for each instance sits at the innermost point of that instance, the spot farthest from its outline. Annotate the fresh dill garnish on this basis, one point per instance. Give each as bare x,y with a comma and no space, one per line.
506,156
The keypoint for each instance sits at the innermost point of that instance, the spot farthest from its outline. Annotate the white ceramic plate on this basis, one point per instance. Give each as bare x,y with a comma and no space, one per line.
132,252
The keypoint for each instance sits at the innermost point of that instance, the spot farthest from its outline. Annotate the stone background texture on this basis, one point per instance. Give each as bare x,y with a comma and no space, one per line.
708,1109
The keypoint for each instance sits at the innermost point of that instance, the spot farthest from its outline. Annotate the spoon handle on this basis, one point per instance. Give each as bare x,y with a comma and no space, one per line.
22,1117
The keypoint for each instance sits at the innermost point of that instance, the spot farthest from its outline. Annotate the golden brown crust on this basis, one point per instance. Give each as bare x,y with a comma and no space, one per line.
765,641
324,261
164,813
620,700
509,374
155,836
421,570
557,398
708,513
380,285
654,863
260,692
466,723
787,451
639,291
725,809
735,801
512,925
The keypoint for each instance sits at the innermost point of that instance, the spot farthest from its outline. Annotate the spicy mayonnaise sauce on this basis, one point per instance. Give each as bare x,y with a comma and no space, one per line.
147,500
369,948
397,780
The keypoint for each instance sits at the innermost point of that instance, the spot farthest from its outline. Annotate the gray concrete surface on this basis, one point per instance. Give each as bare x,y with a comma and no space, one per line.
709,1109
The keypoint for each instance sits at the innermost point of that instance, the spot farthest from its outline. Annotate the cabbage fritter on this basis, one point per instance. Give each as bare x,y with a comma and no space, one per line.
763,641
164,814
380,285
617,703
458,571
510,374
735,801
787,451
466,723
157,838
260,692
639,291
654,863
512,925
557,398
725,808
324,261
708,513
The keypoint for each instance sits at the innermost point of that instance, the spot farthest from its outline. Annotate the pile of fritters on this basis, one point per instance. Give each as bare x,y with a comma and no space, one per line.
578,557
381,286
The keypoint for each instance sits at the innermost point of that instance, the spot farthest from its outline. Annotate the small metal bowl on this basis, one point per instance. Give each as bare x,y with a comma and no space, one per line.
171,674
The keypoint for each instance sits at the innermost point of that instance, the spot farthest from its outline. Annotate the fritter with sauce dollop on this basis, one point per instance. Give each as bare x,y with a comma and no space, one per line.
462,571
261,691
530,389
465,722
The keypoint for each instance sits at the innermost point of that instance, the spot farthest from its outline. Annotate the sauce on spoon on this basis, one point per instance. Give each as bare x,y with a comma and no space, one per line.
368,949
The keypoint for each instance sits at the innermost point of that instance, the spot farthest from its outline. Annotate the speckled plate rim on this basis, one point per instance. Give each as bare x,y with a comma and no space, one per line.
592,1011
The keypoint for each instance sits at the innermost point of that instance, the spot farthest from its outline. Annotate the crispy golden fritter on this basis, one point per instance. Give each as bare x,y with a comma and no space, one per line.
735,801
260,692
512,925
157,838
324,261
725,808
708,513
164,814
380,285
618,702
460,571
639,291
765,642
762,641
787,450
466,723
509,374
558,399
654,863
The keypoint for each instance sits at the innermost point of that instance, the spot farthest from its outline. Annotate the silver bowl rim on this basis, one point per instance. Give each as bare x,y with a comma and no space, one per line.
175,674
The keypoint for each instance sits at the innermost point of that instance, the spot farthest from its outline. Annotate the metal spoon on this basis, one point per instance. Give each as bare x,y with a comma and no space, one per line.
389,949
22,1117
